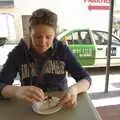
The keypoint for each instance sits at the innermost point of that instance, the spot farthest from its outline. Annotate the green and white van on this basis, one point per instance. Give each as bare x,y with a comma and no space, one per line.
90,46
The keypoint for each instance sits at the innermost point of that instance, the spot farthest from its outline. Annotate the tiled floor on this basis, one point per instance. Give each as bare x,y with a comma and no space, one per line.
111,112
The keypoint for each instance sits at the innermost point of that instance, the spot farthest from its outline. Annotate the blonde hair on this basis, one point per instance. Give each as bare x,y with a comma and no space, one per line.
43,16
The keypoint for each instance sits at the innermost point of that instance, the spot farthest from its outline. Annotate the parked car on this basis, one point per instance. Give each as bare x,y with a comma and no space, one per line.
3,40
90,46
5,47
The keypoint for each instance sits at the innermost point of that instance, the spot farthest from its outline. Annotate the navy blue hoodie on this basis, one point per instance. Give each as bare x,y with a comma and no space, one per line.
46,71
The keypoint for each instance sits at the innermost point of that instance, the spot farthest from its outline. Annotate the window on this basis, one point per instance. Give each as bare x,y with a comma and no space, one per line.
115,41
72,38
85,37
78,37
7,25
101,38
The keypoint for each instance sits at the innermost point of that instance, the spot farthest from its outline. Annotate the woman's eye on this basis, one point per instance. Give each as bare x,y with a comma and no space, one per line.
37,37
49,37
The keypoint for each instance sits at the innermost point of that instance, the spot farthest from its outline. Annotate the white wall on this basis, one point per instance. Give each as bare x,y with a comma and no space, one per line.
117,5
117,8
71,13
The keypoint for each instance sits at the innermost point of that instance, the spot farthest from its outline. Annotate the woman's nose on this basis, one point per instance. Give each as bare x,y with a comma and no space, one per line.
42,40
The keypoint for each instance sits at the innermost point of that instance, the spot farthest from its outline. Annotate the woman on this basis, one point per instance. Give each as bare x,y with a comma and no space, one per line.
42,62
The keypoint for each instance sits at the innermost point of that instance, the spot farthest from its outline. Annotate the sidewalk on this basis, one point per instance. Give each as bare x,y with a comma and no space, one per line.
97,94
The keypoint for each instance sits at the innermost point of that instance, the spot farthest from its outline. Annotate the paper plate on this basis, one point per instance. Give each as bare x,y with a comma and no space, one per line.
47,107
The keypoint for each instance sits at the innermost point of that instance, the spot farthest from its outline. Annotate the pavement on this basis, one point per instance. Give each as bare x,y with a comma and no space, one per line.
97,91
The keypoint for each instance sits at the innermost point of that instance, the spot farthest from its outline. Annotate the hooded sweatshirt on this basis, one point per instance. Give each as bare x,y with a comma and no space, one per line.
47,71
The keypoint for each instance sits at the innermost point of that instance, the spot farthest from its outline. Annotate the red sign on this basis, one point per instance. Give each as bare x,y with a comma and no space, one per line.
98,7
98,4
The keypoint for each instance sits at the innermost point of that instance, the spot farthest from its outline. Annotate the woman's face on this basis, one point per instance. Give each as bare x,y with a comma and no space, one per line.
42,37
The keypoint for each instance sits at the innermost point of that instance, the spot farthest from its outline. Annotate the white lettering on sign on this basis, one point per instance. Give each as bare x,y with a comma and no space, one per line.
98,4
97,1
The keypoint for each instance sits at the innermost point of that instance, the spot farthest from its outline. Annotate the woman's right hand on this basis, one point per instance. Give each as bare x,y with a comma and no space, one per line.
29,93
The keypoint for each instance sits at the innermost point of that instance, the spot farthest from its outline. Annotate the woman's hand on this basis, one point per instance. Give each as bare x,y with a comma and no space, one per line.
69,98
29,93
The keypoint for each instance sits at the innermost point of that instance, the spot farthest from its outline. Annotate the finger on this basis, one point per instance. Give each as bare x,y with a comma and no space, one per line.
27,98
63,96
36,98
64,99
32,95
66,105
37,91
28,94
63,102
70,105
68,100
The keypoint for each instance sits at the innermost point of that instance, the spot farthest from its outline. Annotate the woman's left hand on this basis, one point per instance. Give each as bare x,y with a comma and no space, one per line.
69,98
